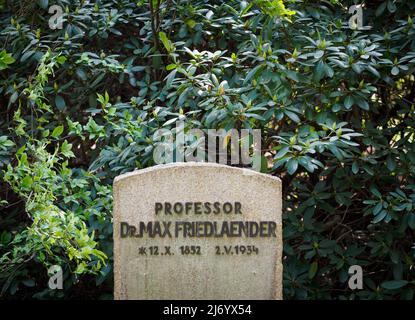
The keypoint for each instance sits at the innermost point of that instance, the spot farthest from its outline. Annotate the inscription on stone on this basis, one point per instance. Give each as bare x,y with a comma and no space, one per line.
197,231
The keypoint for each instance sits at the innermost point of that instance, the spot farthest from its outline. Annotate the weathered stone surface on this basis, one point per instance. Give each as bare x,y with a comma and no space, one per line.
213,265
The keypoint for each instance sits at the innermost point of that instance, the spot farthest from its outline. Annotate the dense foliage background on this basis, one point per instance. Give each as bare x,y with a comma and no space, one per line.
79,106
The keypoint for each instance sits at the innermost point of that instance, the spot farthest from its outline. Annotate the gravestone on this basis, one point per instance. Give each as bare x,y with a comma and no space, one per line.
197,231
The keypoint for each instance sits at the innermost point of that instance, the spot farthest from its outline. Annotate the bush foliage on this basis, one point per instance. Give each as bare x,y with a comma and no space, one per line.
80,105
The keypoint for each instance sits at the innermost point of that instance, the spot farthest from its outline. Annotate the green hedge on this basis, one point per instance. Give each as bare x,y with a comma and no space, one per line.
79,106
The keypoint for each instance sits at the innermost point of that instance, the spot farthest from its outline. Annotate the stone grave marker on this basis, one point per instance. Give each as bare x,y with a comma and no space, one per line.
197,231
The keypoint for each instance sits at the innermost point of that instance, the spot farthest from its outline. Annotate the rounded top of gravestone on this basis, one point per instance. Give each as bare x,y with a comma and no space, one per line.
198,165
